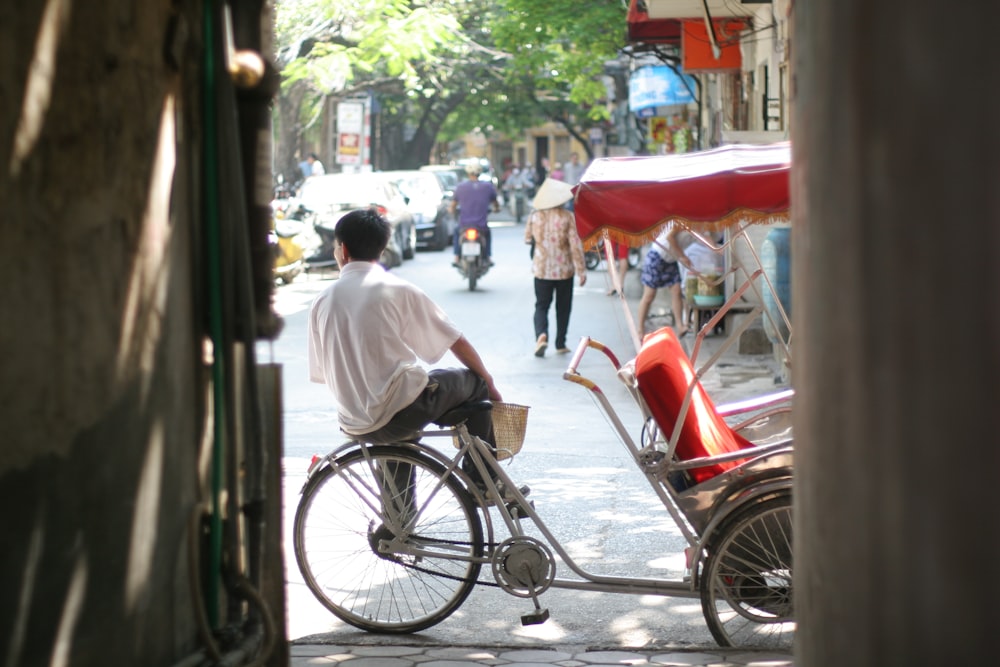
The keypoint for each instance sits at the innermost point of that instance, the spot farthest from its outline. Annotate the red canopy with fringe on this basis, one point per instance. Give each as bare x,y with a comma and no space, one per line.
631,198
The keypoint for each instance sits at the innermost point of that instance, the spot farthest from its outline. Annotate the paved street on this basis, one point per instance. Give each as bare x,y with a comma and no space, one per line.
583,484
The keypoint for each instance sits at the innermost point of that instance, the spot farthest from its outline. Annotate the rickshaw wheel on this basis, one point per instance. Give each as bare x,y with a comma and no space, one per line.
746,582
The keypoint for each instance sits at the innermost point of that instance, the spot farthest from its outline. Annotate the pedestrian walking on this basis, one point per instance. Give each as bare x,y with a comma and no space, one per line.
316,167
557,256
573,170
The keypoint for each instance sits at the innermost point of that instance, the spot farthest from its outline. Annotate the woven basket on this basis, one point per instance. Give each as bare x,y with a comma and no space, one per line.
510,421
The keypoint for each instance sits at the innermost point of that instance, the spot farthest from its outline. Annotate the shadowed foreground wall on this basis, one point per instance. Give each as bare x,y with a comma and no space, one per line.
102,392
896,230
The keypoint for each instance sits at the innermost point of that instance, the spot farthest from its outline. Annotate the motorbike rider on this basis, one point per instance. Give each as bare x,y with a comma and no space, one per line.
473,200
519,186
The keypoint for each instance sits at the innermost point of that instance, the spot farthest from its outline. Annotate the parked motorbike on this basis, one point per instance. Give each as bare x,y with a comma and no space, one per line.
473,262
285,240
293,221
592,258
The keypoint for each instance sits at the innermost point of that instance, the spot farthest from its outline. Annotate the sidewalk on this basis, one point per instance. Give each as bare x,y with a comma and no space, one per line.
409,656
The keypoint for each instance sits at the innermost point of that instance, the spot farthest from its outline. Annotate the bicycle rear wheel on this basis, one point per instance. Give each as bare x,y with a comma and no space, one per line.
387,541
746,586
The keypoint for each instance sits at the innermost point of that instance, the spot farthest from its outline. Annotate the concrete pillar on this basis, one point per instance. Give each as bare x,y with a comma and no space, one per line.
896,230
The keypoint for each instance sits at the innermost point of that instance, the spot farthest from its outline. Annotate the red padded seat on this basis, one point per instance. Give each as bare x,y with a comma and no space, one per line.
664,373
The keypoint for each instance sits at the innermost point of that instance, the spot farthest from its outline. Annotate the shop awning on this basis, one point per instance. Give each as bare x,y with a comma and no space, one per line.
630,198
641,28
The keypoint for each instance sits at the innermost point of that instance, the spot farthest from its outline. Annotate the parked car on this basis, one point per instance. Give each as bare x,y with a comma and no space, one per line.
450,174
455,173
330,196
428,202
449,180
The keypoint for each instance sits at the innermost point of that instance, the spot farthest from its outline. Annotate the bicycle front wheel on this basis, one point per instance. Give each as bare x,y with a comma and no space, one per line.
746,586
387,541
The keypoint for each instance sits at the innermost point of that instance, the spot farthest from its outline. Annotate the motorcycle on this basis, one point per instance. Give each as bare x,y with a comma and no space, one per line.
592,258
288,254
315,236
296,224
286,241
518,205
473,262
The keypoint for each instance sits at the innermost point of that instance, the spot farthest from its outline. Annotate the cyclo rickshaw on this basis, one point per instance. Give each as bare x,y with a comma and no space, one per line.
392,538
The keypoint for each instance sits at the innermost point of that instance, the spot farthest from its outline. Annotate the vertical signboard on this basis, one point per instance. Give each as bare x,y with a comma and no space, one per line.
350,132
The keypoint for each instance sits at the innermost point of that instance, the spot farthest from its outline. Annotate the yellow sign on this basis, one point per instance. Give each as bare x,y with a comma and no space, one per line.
658,129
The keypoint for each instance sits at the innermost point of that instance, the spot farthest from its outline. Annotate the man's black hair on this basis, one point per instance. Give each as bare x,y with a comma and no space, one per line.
365,233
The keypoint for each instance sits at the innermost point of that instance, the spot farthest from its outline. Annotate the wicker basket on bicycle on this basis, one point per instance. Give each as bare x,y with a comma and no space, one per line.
510,422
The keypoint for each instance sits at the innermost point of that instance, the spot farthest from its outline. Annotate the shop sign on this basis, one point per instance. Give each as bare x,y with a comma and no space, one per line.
659,86
350,132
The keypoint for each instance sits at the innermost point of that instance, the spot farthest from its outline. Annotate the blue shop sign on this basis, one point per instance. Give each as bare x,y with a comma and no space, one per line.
659,86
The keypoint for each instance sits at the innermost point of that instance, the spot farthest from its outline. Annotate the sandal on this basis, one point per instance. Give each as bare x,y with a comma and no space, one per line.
540,345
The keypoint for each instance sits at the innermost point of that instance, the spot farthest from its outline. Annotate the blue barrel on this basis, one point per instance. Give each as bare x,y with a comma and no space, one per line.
776,261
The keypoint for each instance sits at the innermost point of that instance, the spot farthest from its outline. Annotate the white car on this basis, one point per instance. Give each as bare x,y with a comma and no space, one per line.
428,201
330,196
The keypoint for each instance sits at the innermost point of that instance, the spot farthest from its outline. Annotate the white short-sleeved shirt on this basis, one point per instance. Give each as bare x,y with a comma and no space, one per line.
662,245
367,333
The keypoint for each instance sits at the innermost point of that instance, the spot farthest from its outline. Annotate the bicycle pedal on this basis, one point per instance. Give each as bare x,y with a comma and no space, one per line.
535,617
515,508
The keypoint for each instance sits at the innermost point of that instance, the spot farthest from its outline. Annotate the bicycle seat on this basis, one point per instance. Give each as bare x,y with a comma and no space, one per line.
663,374
456,416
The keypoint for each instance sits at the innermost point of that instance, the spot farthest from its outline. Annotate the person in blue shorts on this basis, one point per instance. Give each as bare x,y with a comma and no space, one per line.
660,269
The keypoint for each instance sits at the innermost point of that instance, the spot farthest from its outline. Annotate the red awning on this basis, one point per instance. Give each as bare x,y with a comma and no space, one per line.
632,197
641,28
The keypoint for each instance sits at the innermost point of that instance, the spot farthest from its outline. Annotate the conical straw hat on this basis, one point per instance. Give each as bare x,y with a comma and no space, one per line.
552,193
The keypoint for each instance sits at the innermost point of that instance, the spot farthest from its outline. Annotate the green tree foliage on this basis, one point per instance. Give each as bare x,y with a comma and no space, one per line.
439,68
561,45
345,48
557,52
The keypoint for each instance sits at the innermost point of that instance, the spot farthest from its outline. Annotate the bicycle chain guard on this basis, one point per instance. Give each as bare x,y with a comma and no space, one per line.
523,566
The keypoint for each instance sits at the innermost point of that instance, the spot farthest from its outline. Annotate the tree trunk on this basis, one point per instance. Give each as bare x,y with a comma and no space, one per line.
288,151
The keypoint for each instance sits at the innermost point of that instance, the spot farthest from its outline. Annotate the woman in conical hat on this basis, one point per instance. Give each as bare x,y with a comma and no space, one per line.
557,255
552,193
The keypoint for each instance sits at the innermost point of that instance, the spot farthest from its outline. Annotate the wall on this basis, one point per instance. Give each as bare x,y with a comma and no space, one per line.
896,365
104,385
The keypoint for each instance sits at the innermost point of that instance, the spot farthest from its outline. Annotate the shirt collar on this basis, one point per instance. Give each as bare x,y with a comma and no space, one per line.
360,266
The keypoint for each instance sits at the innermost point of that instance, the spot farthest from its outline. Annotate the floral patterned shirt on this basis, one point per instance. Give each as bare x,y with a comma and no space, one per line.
558,250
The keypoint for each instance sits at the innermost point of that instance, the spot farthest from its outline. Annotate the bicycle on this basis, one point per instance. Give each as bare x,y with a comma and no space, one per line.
392,538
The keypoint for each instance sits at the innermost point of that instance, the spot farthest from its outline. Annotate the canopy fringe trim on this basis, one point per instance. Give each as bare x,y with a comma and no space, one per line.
640,238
